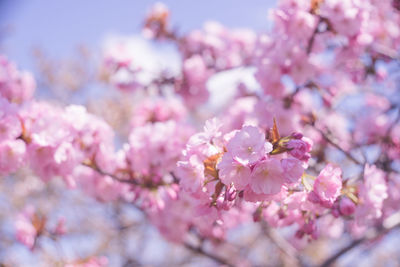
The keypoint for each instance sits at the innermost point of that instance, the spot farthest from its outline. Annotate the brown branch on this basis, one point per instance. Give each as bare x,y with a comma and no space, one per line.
350,156
337,255
201,251
388,225
284,246
131,181
395,122
312,39
333,143
114,177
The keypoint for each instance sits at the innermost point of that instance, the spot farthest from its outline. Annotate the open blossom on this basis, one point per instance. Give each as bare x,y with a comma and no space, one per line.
12,155
267,177
202,147
26,231
219,46
248,145
167,141
344,15
232,171
292,169
100,187
125,66
372,193
50,148
191,173
10,125
309,74
328,184
58,140
208,141
15,86
267,109
158,110
193,86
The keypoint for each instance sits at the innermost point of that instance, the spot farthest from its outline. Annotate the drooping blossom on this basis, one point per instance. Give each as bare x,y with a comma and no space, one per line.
328,184
267,177
248,145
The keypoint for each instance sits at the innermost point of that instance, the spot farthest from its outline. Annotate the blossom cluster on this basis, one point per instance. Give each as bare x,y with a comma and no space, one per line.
279,154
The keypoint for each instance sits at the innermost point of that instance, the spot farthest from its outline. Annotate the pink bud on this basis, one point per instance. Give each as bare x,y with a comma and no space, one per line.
297,135
257,215
313,197
230,194
298,148
299,234
220,203
346,206
335,212
60,228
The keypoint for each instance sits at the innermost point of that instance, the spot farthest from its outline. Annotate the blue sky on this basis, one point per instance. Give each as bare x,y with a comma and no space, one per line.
59,26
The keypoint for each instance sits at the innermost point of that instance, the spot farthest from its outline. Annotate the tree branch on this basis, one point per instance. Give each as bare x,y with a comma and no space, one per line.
201,251
333,143
388,225
312,38
114,177
284,246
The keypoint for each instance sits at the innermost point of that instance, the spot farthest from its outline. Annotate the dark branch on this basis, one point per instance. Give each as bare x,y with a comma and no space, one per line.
201,251
388,225
333,143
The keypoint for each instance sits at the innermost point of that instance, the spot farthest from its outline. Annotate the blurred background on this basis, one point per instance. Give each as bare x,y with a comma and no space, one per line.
60,42
56,40
59,27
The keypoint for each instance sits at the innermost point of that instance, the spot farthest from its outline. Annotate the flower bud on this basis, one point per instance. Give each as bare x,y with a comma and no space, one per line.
346,206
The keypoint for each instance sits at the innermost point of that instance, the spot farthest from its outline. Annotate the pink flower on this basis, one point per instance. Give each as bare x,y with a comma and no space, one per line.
15,86
293,169
298,148
158,110
232,171
344,15
266,109
193,87
205,142
248,145
250,196
372,193
328,184
167,141
267,177
10,125
25,230
101,187
346,206
191,173
12,155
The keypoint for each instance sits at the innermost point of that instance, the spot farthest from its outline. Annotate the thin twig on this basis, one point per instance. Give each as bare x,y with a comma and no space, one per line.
337,255
284,246
97,169
388,225
333,143
312,38
201,251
